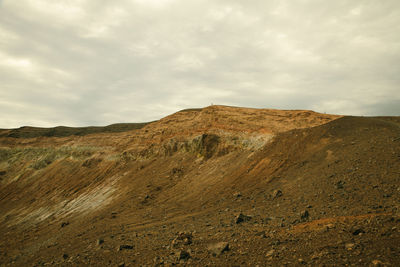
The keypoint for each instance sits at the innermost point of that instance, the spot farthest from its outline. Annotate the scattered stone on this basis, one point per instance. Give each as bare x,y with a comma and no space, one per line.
350,246
277,193
340,184
65,256
330,226
378,263
183,255
242,218
261,234
158,261
183,239
124,247
218,248
63,224
99,241
237,195
304,215
121,264
301,261
358,231
270,253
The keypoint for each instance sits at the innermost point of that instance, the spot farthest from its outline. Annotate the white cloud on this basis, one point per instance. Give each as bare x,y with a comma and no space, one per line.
100,62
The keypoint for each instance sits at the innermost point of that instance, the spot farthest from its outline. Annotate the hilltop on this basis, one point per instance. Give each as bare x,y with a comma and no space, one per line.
279,187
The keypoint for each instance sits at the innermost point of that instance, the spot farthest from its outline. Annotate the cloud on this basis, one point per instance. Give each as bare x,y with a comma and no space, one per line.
87,62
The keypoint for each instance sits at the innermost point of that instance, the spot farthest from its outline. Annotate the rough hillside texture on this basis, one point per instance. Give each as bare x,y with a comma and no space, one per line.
218,186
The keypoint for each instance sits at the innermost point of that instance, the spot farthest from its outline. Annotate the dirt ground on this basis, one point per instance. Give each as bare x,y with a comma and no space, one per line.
218,186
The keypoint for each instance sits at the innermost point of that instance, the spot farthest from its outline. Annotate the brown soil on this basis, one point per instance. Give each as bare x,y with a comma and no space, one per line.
313,189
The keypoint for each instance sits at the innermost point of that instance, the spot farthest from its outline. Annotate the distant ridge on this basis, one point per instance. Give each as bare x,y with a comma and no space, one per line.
63,131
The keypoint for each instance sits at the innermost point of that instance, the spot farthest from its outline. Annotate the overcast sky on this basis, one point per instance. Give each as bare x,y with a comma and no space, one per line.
97,62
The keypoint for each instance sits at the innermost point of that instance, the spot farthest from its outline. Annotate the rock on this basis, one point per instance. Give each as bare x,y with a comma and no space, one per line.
330,226
378,263
301,261
242,218
237,195
350,246
277,193
121,264
183,255
358,231
218,248
124,247
99,241
63,224
65,256
340,184
304,215
261,234
183,239
270,253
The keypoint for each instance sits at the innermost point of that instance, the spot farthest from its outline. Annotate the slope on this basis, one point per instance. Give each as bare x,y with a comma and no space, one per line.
317,189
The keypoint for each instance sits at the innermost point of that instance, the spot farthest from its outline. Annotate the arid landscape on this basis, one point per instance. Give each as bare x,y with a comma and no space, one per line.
214,186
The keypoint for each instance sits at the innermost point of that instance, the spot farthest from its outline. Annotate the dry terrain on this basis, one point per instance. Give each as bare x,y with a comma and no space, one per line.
218,186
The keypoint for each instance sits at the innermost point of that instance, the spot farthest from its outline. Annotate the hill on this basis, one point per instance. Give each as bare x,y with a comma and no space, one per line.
219,186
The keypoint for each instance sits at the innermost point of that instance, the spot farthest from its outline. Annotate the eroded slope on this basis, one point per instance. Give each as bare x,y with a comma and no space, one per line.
194,171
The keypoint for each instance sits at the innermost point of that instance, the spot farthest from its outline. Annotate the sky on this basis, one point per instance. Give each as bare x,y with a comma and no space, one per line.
98,62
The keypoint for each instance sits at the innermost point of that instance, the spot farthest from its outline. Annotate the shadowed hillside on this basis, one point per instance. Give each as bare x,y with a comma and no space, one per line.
218,186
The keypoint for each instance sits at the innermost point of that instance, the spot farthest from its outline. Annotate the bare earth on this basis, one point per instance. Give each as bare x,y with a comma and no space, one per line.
218,186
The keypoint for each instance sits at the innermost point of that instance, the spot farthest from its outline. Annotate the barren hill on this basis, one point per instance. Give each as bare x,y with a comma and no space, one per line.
219,186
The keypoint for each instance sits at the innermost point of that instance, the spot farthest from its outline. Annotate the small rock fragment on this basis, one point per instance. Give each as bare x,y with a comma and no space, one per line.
218,248
270,253
378,263
242,218
183,238
99,241
358,231
350,246
183,255
277,193
124,247
301,261
304,215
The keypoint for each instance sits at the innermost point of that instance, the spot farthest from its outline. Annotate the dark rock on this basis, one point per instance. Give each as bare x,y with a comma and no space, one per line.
242,218
121,264
339,185
63,224
218,248
65,256
358,231
183,255
277,193
237,195
124,247
304,215
99,241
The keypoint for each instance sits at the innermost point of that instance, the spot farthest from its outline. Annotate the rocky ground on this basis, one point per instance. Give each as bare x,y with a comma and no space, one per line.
218,186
